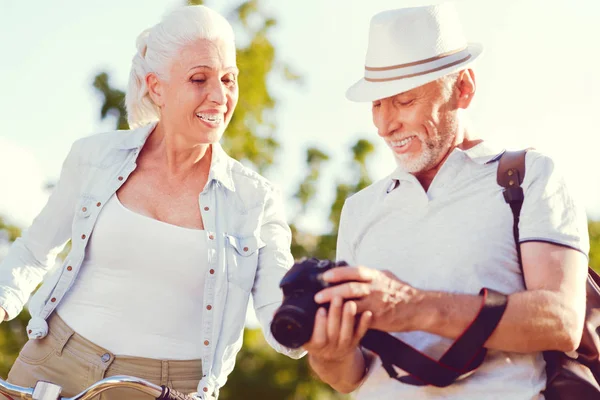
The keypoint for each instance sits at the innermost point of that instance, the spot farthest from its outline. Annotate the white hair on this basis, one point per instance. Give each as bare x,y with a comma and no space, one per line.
449,83
159,45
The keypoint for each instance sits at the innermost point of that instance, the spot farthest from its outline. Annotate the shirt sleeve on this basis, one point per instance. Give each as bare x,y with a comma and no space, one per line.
344,249
274,260
550,212
33,254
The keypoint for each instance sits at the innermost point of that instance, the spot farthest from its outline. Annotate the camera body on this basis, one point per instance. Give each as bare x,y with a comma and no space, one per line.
293,322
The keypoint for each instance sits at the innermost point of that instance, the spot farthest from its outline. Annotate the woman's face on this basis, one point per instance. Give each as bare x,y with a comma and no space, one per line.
199,95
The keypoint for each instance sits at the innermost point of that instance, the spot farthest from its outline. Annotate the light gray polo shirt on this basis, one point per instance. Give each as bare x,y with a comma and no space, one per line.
457,237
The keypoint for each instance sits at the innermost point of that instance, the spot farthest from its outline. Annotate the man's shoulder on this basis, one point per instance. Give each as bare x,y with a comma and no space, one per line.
540,165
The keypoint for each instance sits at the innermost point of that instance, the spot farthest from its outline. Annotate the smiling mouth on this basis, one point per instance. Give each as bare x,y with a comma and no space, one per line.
403,142
215,119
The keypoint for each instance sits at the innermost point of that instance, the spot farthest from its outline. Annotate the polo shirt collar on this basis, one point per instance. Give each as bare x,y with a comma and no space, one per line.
482,153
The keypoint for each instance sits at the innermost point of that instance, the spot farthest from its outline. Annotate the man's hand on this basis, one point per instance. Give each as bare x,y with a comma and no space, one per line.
393,303
336,334
333,349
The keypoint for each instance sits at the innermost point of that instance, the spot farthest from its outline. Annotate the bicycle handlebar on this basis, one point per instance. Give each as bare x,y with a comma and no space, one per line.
171,394
50,391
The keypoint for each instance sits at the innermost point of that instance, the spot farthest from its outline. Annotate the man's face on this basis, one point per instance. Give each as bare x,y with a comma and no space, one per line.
420,125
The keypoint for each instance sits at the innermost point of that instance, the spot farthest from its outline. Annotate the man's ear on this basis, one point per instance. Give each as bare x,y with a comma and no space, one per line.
155,88
466,87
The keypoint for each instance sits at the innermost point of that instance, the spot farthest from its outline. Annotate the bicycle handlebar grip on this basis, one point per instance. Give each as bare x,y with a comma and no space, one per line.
171,394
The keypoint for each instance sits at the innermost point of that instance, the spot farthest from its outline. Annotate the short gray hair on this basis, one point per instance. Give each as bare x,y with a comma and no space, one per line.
159,45
449,83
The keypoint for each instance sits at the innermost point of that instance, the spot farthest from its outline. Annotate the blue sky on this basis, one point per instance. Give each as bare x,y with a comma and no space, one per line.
538,84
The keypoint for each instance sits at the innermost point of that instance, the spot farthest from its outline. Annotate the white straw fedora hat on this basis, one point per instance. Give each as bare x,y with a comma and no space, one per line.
410,47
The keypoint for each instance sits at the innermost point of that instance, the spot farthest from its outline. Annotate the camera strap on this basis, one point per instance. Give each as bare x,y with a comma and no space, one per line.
464,356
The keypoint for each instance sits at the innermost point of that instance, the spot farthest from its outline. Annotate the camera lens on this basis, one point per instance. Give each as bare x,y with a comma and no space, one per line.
290,328
294,321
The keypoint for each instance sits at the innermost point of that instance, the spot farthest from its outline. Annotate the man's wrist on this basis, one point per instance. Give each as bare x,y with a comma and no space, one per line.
427,311
325,362
344,374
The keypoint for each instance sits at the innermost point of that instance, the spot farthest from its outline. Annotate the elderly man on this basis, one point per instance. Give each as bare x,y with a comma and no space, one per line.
422,242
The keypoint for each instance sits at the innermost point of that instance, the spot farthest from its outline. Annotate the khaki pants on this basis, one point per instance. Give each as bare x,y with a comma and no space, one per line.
73,362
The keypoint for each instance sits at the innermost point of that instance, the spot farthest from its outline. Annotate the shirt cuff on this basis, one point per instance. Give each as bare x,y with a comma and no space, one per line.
9,305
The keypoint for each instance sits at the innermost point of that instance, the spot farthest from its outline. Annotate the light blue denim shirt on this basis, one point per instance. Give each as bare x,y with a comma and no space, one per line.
248,239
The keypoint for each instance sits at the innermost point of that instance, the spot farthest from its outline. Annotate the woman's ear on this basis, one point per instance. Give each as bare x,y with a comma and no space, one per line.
155,88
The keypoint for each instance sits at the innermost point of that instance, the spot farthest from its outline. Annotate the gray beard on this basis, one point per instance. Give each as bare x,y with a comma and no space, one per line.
433,151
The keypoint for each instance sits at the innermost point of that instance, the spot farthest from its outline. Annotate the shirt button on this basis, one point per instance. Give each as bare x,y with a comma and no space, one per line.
83,236
69,268
120,178
105,357
53,299
212,271
211,237
245,249
206,208
209,307
29,331
205,389
206,342
84,209
98,204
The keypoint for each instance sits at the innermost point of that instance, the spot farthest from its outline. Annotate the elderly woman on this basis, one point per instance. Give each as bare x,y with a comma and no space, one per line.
169,235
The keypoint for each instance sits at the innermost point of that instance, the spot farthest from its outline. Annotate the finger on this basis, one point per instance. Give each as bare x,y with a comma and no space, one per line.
362,305
340,274
334,319
319,336
363,325
348,323
389,274
350,290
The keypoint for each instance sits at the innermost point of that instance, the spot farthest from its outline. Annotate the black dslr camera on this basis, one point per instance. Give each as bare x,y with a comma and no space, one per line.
294,321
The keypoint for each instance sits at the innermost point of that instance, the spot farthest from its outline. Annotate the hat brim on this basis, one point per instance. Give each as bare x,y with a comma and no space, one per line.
365,91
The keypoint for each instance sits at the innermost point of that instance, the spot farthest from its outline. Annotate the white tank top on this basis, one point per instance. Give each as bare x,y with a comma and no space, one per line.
140,289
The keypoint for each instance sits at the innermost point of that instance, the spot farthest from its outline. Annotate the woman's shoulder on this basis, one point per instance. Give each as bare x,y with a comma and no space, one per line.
107,137
96,145
246,177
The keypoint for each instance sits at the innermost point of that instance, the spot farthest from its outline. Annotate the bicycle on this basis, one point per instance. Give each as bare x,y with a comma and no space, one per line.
50,391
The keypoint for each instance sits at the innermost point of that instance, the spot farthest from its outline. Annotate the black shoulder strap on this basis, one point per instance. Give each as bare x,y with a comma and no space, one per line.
464,356
511,172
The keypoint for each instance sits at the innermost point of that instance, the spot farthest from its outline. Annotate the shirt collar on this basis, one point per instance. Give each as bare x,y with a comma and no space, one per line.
482,153
220,165
135,138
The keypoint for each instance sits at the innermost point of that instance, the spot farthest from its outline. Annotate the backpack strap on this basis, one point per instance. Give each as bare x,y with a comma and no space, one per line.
511,172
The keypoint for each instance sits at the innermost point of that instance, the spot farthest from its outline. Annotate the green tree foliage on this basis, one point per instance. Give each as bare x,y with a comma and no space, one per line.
261,373
12,333
114,101
12,231
594,229
357,177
